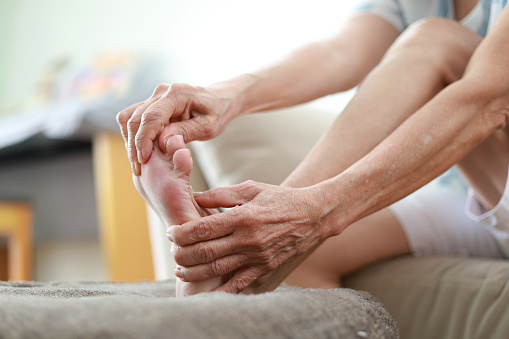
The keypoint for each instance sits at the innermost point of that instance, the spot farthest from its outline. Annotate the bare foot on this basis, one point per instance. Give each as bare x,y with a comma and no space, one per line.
164,184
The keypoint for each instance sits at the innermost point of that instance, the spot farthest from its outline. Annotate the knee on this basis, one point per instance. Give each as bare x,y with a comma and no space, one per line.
439,44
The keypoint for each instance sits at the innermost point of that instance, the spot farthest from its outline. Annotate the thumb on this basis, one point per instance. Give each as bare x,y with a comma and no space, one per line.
227,196
188,129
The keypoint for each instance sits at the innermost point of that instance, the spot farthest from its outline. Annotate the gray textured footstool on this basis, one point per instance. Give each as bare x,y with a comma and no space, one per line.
150,310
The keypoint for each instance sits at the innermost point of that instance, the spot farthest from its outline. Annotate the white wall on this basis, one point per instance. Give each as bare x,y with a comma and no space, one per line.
201,41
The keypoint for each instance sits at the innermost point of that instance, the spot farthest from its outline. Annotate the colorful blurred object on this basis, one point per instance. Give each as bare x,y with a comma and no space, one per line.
107,75
75,98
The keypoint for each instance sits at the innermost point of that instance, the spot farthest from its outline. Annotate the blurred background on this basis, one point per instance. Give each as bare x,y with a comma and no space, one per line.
67,68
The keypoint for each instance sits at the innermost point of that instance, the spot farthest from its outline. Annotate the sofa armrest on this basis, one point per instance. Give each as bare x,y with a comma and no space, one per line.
441,296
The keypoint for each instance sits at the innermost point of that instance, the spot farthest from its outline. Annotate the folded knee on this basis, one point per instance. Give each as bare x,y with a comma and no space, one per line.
442,45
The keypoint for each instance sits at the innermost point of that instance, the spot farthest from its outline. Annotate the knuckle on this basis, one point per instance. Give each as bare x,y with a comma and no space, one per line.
179,258
271,265
179,87
139,137
239,284
177,241
131,149
260,246
265,258
251,188
204,253
184,132
249,183
243,281
217,268
161,88
133,122
202,231
152,116
157,114
144,137
123,117
208,132
131,152
126,114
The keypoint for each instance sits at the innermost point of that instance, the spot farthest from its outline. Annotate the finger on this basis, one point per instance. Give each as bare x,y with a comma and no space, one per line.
190,129
211,270
151,121
132,129
242,279
123,118
205,252
206,228
175,143
230,196
137,119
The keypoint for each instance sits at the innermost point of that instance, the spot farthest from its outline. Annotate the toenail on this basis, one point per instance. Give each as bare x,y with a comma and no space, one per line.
179,272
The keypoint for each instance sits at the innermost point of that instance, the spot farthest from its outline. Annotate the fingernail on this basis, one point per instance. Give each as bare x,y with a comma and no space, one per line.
141,156
169,233
137,169
133,167
178,272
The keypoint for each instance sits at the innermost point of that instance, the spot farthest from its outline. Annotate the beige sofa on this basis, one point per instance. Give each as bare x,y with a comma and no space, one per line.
430,297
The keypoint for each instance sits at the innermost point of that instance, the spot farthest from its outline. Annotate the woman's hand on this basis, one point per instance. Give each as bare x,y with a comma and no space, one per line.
270,226
195,113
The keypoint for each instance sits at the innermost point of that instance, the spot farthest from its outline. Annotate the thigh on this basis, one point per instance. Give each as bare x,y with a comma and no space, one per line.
427,222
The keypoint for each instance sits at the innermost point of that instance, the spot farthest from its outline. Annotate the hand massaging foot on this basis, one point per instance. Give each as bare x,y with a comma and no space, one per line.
164,184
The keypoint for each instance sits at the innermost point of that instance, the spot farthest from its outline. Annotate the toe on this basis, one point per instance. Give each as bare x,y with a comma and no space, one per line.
183,162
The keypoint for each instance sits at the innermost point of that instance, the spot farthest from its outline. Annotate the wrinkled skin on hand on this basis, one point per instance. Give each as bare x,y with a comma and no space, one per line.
270,226
195,113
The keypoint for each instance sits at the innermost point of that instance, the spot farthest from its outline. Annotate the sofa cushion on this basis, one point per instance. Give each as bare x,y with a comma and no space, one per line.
441,296
263,147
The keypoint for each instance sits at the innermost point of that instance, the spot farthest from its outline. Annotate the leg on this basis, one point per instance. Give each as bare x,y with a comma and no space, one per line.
424,60
485,168
359,245
164,184
429,221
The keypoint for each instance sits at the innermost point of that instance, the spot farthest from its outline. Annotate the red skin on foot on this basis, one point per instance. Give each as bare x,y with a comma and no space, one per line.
164,184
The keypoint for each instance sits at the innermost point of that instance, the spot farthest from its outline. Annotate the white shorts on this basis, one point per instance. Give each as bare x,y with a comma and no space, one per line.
444,220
